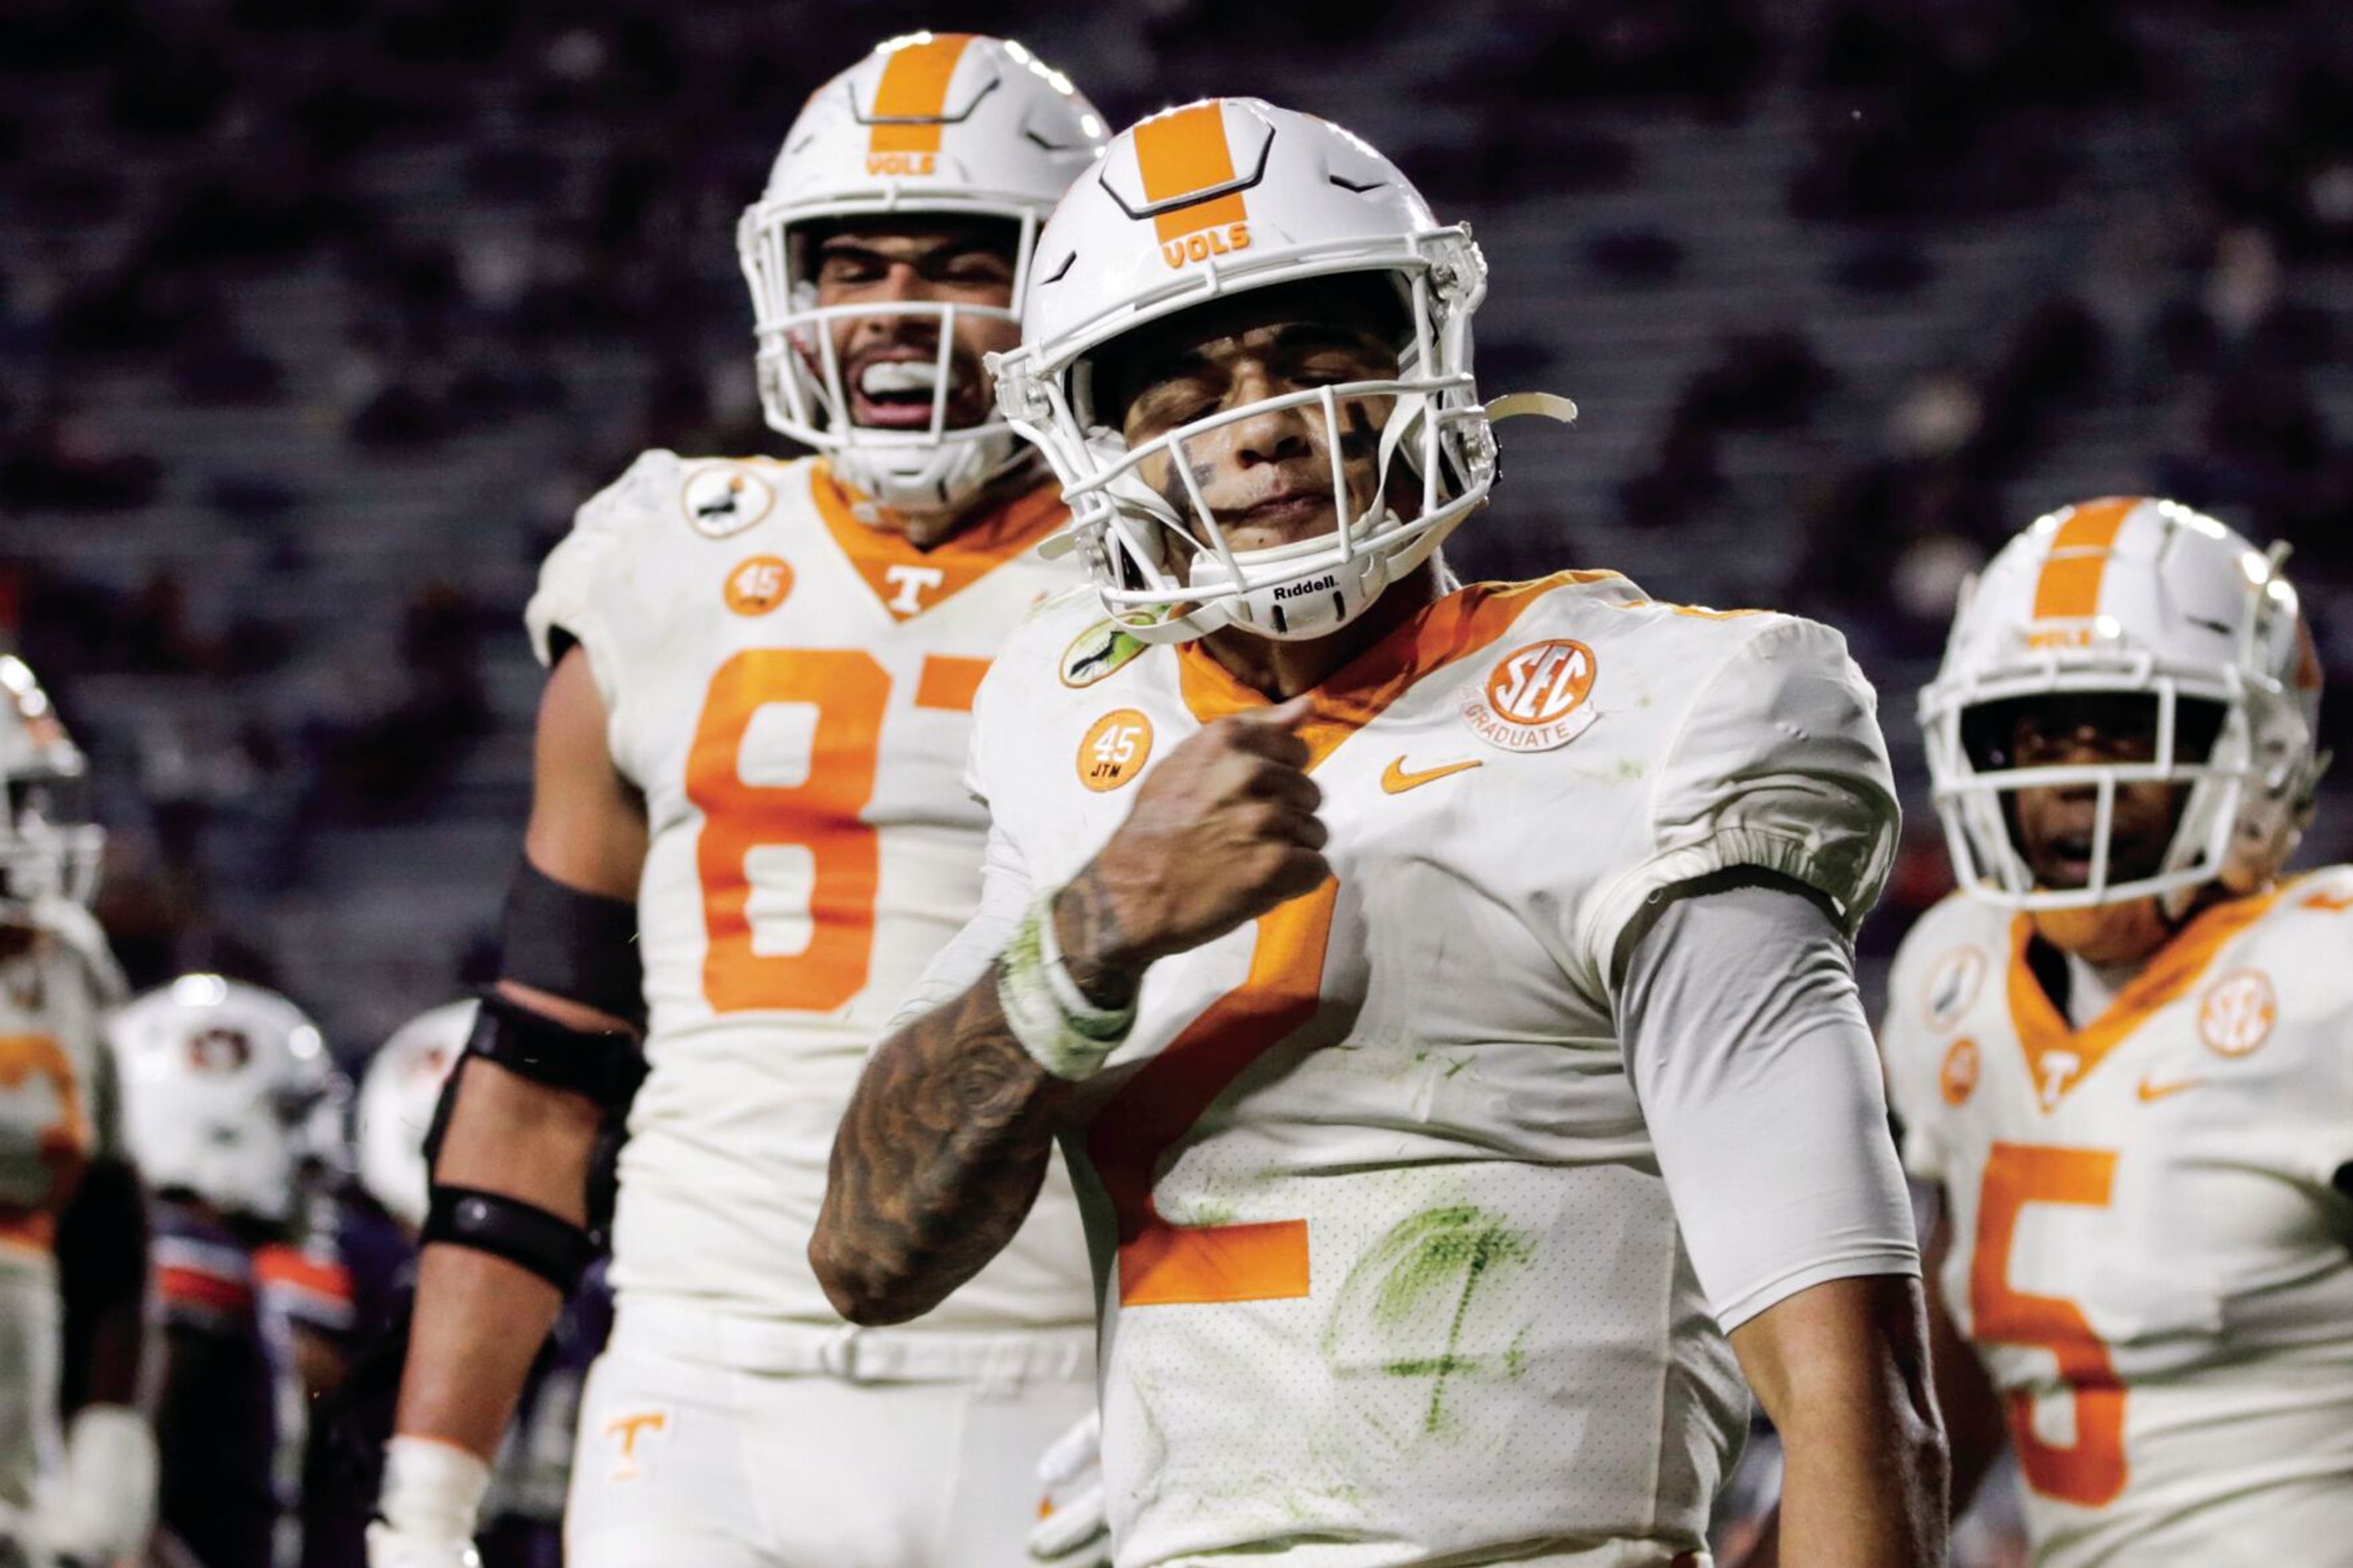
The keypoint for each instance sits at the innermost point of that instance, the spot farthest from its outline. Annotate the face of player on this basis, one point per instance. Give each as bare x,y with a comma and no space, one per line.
1267,478
887,359
2055,824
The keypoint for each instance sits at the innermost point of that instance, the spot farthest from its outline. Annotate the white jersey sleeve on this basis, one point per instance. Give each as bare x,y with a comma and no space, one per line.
584,585
1946,959
1746,1039
1777,763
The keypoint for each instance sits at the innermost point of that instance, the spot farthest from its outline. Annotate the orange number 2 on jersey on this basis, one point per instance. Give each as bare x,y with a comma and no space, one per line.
815,821
1161,1264
2092,1471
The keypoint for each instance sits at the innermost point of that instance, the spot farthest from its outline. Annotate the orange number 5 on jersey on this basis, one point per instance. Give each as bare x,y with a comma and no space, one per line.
2092,1472
813,822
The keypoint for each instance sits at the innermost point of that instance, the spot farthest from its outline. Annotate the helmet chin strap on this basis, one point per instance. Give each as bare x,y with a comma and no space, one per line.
1299,610
927,479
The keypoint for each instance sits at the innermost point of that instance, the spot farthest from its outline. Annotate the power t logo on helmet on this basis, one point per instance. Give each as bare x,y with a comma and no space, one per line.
1216,199
943,125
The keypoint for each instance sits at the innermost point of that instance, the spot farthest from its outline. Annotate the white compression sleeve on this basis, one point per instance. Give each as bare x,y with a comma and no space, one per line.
1749,1049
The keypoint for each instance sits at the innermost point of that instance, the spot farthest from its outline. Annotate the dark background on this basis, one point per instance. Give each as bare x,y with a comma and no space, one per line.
318,316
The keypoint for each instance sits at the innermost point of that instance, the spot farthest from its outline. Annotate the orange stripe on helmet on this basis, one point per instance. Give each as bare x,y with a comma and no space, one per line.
914,87
2069,588
1183,151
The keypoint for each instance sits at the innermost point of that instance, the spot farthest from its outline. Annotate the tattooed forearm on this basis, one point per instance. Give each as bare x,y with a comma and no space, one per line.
936,1162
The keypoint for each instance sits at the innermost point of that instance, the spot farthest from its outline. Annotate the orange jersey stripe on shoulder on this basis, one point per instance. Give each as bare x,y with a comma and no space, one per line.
914,86
1179,153
2069,588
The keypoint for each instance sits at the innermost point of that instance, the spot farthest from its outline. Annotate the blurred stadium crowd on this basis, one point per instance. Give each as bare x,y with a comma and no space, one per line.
321,315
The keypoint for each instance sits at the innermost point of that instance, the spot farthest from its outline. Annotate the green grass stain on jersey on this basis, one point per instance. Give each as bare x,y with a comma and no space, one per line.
1438,1253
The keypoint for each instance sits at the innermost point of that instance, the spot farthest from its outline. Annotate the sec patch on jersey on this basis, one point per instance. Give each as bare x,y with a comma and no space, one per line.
1534,698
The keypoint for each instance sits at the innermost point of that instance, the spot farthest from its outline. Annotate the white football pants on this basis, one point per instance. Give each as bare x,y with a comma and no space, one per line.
31,1349
709,1441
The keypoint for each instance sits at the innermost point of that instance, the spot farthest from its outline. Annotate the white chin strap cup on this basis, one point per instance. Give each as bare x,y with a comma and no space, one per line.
910,478
1301,609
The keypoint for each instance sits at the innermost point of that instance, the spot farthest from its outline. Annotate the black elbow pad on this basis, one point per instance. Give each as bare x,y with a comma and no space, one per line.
580,946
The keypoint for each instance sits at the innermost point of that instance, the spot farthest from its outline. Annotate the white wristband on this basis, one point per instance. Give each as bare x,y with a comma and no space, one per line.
107,1507
432,1490
1064,1032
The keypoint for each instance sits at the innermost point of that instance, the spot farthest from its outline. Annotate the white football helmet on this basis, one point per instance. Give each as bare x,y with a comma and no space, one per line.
1213,199
947,123
49,848
227,1091
398,1097
2133,596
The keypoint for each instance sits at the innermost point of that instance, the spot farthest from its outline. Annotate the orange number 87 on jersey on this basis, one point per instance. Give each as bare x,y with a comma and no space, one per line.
809,830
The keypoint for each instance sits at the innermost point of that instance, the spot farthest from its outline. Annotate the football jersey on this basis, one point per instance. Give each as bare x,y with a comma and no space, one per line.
1388,1271
58,1106
57,1110
791,689
2147,1251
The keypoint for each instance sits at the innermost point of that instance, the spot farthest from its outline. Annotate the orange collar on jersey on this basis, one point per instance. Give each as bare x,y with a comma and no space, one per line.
1449,628
2175,968
907,581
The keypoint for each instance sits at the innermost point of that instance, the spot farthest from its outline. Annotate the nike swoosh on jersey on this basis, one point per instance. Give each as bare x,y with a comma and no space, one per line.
2152,1091
1397,781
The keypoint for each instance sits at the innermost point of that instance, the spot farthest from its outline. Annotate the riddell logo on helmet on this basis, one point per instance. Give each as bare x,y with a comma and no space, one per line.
1202,246
1302,590
2060,637
902,164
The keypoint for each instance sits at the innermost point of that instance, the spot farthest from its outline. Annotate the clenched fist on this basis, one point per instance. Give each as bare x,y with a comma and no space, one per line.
1222,832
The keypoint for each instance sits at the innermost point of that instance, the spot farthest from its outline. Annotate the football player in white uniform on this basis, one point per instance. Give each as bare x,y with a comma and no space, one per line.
233,1111
1442,994
2119,1051
748,772
87,1491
